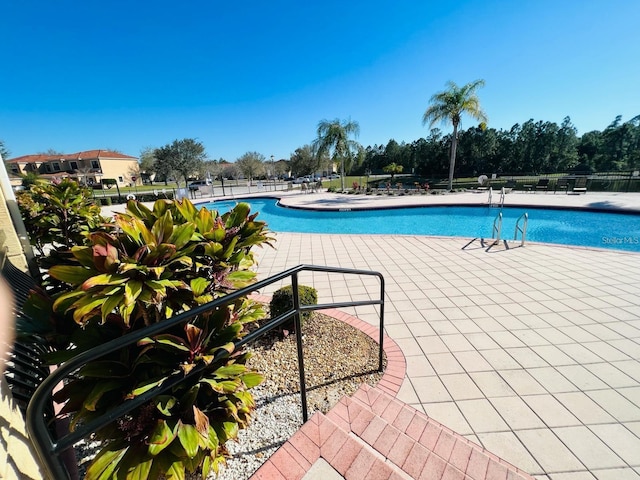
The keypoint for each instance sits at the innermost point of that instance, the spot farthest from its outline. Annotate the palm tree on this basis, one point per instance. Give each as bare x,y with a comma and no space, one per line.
449,106
334,136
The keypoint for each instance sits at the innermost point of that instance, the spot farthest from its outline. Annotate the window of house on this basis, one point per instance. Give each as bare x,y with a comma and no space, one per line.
15,169
95,164
56,167
120,179
73,165
47,167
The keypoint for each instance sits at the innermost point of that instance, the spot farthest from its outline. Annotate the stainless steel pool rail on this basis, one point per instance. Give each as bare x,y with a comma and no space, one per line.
522,229
500,201
496,231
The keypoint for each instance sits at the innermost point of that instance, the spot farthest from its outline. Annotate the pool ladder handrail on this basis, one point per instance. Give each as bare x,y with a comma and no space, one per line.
496,231
522,229
501,202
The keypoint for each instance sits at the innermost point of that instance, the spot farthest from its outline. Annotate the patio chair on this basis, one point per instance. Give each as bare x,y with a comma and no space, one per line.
543,184
562,184
510,185
580,186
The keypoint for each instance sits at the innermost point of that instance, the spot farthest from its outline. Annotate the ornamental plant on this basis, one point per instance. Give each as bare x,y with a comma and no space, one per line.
58,214
282,302
155,264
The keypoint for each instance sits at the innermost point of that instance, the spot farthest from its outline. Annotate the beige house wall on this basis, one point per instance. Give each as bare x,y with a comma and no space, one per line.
17,458
9,237
117,167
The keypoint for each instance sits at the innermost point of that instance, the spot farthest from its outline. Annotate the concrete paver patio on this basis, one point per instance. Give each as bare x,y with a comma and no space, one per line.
532,352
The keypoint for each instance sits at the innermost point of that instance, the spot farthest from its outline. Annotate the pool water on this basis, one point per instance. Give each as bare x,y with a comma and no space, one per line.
568,227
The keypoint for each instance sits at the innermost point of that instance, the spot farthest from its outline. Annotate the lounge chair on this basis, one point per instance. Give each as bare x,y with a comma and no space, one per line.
510,185
562,184
580,186
543,184
483,183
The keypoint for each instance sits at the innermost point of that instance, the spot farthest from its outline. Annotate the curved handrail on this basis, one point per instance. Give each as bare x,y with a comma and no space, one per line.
497,228
49,450
523,229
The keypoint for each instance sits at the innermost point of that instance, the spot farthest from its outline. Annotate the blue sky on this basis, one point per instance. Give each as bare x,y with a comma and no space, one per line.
259,76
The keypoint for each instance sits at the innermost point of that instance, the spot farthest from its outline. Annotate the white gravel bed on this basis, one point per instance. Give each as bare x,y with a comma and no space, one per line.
275,420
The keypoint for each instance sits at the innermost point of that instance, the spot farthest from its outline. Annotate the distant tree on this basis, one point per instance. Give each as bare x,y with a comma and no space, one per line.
392,169
183,157
230,170
147,161
51,152
589,146
281,167
618,144
251,164
566,146
4,152
30,178
333,136
164,170
210,169
477,149
393,152
449,106
633,156
304,161
358,160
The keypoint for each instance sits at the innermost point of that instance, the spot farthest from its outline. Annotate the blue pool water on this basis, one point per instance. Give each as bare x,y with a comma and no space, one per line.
568,227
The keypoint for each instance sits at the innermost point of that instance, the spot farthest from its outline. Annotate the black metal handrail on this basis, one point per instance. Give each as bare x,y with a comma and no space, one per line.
50,449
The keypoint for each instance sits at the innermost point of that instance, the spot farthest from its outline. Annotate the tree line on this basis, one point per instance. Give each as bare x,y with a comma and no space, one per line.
531,148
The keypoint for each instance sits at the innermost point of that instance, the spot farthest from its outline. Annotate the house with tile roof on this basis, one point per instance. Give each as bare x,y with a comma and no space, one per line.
89,167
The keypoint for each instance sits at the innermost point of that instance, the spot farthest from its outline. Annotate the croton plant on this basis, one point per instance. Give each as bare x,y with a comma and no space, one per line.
155,263
58,214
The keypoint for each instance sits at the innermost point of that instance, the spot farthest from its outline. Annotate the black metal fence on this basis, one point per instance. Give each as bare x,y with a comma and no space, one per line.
50,448
228,188
628,181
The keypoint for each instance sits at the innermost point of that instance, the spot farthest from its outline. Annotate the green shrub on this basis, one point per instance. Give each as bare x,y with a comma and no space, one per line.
105,201
282,301
59,214
109,182
153,264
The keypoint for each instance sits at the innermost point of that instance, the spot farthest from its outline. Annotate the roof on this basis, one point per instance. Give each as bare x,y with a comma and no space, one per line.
87,154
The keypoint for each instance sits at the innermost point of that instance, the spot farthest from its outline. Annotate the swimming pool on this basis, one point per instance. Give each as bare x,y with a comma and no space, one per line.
568,227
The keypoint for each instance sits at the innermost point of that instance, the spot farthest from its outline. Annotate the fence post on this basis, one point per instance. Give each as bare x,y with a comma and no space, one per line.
298,327
381,346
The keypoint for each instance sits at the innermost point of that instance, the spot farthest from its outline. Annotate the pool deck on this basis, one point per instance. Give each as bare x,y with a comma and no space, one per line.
532,352
331,201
